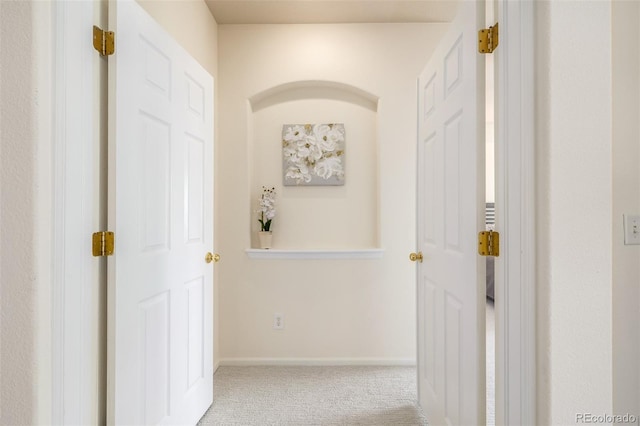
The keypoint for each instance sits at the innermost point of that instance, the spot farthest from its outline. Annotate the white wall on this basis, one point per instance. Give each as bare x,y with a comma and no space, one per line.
574,180
626,200
25,225
334,309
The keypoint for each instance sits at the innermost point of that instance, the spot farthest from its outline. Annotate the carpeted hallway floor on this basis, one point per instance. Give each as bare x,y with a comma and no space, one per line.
310,396
301,396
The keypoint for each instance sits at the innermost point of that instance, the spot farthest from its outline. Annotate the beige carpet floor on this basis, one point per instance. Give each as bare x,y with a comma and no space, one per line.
301,396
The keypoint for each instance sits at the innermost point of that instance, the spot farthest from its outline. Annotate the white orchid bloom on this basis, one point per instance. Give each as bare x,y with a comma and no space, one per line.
267,209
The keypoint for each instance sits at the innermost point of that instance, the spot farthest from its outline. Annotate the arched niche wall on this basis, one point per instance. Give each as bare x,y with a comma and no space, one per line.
317,217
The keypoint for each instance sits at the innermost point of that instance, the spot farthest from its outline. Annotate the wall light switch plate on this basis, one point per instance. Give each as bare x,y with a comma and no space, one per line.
631,229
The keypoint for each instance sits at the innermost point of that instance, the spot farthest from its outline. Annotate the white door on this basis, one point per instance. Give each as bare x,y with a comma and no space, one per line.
451,196
160,290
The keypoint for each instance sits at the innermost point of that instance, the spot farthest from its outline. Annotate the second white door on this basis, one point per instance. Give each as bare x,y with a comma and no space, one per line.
451,199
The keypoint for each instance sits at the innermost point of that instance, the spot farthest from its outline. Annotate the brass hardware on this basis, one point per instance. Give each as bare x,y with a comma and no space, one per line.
210,257
489,243
488,39
103,243
416,257
103,41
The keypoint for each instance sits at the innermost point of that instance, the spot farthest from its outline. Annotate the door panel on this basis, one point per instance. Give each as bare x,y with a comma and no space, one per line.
195,330
195,190
160,347
154,323
155,182
450,214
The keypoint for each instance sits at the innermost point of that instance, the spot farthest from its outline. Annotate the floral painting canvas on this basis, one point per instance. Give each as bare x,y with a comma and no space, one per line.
313,154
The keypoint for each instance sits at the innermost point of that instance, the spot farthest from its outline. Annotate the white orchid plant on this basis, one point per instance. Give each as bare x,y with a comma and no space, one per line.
267,208
313,150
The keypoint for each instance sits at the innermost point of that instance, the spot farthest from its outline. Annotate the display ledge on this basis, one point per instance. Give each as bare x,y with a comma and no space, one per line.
314,254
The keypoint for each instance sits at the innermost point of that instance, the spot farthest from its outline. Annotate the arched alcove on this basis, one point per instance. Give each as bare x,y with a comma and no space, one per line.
313,89
317,217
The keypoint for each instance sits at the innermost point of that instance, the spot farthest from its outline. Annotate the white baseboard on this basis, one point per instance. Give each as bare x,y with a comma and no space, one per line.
215,366
244,362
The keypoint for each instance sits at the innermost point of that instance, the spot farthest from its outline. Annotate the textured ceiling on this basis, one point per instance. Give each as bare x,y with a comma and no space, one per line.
330,11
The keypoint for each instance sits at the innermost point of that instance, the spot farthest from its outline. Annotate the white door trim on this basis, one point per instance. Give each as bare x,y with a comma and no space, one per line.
75,351
515,216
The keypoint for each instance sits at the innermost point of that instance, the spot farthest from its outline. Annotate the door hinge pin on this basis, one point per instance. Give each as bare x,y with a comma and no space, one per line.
488,39
103,243
104,41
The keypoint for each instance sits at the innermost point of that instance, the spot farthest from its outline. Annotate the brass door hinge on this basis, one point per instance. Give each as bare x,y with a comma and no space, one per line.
489,243
488,39
104,41
103,243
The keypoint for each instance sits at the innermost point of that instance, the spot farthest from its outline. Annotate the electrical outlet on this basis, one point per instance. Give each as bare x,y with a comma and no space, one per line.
278,321
631,229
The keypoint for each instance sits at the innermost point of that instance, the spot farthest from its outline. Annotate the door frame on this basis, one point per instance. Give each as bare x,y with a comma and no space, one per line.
515,294
75,295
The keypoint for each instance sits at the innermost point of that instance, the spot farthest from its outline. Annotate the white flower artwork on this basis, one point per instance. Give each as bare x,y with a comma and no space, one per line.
313,154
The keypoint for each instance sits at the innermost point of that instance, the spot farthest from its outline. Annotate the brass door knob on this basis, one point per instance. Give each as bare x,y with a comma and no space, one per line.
416,257
210,257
